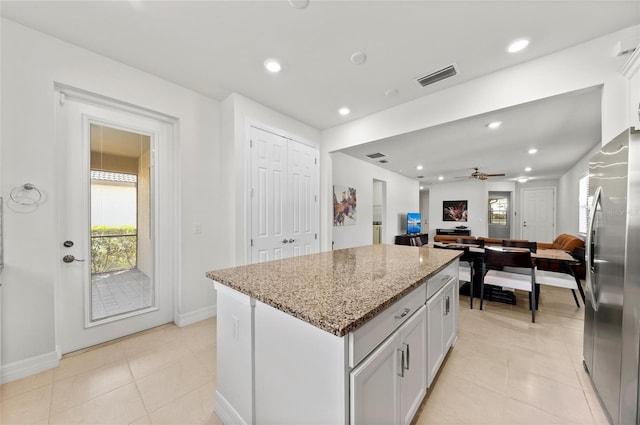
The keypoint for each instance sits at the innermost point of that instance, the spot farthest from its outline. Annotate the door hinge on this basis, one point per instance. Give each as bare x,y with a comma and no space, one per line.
251,192
61,99
316,236
251,242
315,198
315,161
250,143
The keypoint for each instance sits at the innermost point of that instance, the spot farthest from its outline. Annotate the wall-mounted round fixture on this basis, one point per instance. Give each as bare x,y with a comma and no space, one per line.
522,179
344,111
419,167
391,93
518,45
532,151
494,124
358,58
299,4
273,65
441,178
527,169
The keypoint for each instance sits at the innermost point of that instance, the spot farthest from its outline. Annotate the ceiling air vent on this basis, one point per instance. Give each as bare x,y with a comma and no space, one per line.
376,155
439,75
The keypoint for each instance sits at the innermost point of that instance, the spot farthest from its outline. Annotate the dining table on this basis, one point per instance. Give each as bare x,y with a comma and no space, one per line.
563,258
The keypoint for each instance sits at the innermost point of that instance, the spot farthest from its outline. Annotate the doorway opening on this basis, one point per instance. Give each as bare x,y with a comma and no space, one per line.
499,215
379,202
121,242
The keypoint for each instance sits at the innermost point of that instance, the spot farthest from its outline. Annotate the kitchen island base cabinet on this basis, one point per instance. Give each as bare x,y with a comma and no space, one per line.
442,319
389,385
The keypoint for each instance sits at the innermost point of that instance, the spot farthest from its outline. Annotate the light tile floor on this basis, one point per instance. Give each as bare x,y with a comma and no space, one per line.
503,370
119,292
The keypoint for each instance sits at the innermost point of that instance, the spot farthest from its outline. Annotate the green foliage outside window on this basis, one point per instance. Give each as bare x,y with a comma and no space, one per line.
113,248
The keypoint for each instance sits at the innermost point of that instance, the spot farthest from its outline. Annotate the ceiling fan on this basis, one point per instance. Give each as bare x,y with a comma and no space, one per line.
480,175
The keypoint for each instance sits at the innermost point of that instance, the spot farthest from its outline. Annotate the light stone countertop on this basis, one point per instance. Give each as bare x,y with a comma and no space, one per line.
337,291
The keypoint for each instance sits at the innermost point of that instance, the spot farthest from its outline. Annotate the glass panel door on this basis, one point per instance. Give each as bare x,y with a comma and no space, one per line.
121,240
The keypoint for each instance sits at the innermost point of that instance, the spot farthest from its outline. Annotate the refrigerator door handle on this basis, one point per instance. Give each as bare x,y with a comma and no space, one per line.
590,249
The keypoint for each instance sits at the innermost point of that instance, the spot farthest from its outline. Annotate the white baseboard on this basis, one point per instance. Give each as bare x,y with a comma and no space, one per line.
30,366
226,412
195,316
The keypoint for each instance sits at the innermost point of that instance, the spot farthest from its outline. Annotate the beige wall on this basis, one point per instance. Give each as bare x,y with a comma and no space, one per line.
145,251
114,163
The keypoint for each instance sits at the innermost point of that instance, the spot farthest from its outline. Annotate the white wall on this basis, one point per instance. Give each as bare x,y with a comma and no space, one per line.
238,113
402,197
586,65
568,193
474,192
31,63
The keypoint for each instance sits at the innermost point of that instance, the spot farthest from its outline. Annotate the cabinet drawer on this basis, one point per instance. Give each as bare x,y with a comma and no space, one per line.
367,337
439,280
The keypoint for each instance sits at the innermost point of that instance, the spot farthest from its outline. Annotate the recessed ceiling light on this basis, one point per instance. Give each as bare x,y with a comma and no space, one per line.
517,45
391,93
532,151
272,65
522,179
441,178
527,169
344,111
494,124
419,167
299,4
358,58
421,187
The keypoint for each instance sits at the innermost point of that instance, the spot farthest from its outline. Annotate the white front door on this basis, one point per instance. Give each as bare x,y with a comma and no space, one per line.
537,220
117,264
284,209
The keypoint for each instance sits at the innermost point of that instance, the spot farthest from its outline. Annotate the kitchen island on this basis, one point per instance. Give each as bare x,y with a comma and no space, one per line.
347,336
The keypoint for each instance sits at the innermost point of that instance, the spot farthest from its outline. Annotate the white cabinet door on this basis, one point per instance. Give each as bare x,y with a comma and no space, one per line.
284,200
435,336
374,386
450,314
413,385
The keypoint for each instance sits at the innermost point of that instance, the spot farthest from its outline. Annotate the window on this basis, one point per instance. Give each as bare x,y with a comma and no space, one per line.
498,208
583,203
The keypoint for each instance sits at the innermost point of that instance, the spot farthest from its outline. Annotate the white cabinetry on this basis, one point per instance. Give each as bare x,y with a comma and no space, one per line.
389,385
442,314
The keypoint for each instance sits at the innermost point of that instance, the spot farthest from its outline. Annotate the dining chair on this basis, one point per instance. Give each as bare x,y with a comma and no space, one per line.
521,273
565,278
531,246
467,261
465,269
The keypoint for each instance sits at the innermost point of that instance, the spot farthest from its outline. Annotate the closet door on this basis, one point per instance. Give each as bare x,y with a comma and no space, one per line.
284,209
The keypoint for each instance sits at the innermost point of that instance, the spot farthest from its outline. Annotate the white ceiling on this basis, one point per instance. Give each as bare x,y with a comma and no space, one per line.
563,128
218,47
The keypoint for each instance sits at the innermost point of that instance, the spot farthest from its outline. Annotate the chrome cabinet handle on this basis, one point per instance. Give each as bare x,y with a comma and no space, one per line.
408,353
404,313
70,259
447,305
401,358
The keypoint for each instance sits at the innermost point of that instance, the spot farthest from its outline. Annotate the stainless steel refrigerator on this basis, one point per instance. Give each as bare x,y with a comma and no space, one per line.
612,310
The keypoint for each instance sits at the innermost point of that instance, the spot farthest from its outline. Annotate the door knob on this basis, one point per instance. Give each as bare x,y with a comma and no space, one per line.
285,241
70,259
68,244
292,240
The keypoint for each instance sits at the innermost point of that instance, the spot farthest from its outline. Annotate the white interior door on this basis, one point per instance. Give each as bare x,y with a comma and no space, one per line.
284,208
117,218
537,220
